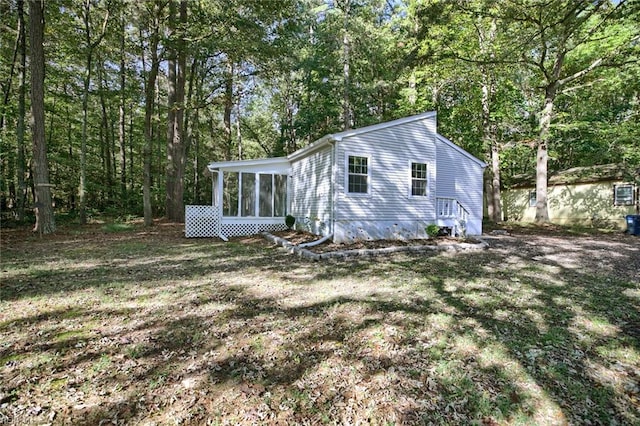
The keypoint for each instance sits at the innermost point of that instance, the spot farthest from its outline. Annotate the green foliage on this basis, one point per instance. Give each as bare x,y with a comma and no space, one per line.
289,221
432,230
284,65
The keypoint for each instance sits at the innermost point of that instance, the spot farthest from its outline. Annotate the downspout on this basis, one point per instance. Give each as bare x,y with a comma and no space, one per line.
220,203
332,216
331,201
316,242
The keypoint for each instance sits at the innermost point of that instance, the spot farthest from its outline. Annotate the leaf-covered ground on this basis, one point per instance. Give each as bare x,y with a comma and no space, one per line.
138,327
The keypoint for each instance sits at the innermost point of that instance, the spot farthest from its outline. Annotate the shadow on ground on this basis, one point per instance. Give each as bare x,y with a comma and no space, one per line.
156,328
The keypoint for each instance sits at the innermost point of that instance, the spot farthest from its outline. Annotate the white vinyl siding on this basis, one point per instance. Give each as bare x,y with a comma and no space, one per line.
311,189
459,176
390,152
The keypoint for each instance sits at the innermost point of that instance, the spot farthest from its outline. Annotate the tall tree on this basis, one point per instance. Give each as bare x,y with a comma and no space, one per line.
562,42
21,193
121,111
45,222
91,42
152,18
176,149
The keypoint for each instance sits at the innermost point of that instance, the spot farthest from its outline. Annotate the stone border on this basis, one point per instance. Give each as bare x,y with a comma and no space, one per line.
343,254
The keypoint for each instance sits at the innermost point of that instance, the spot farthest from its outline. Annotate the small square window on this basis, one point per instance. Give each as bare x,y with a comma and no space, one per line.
623,195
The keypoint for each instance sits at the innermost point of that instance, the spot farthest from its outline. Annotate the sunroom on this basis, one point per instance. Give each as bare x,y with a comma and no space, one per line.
248,197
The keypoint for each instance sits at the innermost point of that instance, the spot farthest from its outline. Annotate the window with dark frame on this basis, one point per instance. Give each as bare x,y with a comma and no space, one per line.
623,195
533,198
418,179
358,171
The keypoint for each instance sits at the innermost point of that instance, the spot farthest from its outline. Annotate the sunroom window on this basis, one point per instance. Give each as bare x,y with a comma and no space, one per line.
266,195
248,205
280,195
254,194
230,193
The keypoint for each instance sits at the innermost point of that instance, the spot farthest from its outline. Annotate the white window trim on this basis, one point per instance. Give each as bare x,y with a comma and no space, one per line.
529,198
346,175
410,180
615,194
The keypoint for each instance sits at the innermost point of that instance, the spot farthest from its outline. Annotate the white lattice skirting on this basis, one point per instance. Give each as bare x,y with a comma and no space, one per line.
204,222
243,229
201,222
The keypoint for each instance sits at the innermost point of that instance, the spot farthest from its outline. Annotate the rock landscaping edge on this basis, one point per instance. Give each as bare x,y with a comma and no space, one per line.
342,254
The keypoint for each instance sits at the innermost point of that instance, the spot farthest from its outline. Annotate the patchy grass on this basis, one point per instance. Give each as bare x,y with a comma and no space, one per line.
147,327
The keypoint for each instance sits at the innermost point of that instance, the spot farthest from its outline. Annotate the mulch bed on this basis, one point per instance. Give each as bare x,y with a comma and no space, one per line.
301,237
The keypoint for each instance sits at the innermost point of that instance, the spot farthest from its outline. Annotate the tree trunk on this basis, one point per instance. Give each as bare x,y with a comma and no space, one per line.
105,144
194,143
346,53
89,46
175,137
149,106
228,107
495,184
82,199
486,41
238,131
542,157
45,222
21,192
122,119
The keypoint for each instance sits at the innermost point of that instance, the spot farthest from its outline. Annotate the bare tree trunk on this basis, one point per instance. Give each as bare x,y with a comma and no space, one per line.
122,117
149,106
542,157
228,107
21,192
105,143
493,196
45,222
83,143
486,39
495,184
9,81
175,133
346,53
86,16
238,132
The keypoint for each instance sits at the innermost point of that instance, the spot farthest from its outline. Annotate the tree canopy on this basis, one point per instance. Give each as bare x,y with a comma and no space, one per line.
139,96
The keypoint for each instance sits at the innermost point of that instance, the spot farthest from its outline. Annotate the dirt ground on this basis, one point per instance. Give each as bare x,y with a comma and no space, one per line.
144,326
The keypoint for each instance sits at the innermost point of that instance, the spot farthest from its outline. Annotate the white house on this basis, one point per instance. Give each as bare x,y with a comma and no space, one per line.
386,181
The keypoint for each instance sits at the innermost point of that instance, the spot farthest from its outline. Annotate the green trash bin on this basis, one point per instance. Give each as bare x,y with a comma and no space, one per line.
633,224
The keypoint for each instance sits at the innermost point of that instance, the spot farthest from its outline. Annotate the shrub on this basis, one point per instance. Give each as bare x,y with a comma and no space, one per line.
432,230
289,221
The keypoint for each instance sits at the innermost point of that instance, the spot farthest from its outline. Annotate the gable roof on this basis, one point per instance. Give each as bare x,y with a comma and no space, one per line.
460,150
279,163
337,137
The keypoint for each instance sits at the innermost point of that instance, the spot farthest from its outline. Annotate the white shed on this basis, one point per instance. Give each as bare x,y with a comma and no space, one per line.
386,181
